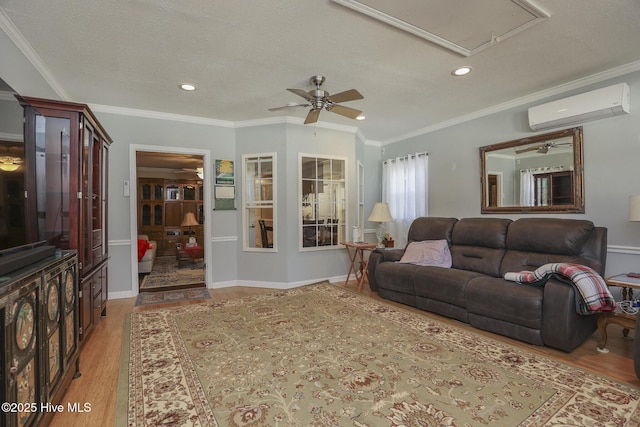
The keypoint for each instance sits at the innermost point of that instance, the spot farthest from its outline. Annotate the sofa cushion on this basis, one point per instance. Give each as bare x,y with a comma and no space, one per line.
496,298
397,277
446,285
483,232
549,235
478,244
431,228
428,252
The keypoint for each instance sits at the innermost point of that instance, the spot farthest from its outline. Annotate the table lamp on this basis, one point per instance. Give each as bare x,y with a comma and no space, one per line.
634,208
189,220
380,214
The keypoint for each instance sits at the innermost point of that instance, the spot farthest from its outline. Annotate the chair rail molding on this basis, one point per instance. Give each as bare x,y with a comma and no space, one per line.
617,249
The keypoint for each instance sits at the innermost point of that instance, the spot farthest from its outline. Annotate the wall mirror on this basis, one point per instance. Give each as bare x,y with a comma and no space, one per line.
542,173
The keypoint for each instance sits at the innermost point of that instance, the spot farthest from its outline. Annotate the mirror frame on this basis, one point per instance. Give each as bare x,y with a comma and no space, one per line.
578,178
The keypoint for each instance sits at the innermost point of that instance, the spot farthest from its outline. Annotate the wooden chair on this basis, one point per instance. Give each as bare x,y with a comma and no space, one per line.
264,235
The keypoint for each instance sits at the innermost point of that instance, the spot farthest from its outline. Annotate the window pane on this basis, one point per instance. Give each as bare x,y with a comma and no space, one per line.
323,202
258,185
308,168
260,227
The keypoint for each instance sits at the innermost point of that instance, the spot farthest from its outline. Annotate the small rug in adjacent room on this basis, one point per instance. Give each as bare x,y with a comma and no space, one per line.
166,275
320,355
165,297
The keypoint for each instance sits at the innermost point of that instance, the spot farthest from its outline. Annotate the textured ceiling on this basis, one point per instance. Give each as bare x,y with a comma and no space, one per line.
242,55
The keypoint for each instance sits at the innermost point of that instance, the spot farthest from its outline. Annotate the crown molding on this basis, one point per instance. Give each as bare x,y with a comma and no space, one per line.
294,121
537,96
109,109
122,111
27,50
8,96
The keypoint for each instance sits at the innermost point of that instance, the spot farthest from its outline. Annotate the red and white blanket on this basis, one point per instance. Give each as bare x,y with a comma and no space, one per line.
593,294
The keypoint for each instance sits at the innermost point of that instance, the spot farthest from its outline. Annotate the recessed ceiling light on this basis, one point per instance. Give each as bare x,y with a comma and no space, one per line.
188,87
461,71
361,117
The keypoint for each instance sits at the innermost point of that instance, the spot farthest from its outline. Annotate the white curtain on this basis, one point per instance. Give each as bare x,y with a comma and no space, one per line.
527,190
405,188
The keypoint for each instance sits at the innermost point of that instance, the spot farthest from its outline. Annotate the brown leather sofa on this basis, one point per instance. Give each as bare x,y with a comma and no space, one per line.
473,291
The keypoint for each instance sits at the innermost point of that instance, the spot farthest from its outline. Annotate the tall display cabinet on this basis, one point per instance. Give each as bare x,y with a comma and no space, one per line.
67,196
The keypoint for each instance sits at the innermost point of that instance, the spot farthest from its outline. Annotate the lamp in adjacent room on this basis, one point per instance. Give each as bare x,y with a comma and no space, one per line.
10,164
634,208
380,214
189,220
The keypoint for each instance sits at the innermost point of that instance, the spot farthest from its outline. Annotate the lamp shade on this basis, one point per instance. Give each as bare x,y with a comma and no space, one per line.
380,213
634,208
189,220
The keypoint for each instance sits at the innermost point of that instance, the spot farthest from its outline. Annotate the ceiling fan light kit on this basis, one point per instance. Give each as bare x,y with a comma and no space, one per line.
319,99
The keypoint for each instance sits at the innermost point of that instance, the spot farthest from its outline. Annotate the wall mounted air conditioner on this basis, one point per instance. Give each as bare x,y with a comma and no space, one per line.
606,102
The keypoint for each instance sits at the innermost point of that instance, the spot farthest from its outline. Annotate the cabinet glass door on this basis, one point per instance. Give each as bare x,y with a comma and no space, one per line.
87,193
52,167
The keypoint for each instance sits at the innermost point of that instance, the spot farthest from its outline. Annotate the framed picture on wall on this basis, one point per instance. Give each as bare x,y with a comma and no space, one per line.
224,197
224,172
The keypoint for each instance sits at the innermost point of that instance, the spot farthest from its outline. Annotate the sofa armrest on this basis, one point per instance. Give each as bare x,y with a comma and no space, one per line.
378,256
390,255
562,326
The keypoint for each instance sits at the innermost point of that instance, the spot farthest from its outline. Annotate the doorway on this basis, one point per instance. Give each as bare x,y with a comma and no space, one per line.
494,189
169,201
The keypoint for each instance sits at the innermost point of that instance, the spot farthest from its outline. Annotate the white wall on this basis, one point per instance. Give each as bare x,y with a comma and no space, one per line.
611,172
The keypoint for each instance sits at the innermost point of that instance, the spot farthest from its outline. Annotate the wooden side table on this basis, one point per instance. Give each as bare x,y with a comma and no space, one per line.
618,317
357,254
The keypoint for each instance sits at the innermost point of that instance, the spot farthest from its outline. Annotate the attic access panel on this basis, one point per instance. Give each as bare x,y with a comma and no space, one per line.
463,26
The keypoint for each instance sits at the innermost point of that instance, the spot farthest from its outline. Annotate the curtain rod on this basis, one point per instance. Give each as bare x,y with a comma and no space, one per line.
400,159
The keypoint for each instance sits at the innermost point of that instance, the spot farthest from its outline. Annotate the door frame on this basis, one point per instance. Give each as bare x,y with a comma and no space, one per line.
133,205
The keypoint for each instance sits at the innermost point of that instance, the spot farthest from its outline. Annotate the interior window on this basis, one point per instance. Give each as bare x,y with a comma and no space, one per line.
259,196
322,202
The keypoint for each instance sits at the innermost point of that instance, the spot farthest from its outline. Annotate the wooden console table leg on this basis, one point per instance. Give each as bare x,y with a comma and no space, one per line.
352,259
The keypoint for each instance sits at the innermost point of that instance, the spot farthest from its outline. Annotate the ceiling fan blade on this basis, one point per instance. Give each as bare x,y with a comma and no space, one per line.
301,93
289,106
347,95
524,150
352,113
312,117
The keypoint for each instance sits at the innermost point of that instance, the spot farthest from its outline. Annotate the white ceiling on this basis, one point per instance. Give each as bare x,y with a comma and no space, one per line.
243,55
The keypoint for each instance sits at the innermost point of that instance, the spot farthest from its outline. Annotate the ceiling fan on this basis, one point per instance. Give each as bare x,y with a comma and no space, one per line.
318,99
543,148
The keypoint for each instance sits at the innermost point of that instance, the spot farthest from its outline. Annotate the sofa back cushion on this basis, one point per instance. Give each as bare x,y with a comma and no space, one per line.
549,235
431,228
478,244
533,242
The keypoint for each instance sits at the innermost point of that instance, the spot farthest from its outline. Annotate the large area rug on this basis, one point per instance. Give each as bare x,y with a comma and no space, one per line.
321,355
166,275
166,297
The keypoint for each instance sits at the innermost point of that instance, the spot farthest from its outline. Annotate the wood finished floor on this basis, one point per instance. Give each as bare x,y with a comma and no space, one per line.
100,356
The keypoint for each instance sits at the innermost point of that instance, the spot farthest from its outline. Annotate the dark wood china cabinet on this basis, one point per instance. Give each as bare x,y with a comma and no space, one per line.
66,198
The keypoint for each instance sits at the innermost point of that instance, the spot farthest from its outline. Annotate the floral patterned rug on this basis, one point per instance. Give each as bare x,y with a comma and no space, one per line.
181,295
166,275
320,355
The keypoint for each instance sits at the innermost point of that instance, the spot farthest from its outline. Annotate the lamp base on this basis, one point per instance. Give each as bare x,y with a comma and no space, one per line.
380,234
